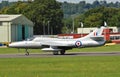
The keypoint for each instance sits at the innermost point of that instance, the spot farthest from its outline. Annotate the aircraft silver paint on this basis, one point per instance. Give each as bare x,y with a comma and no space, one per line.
57,45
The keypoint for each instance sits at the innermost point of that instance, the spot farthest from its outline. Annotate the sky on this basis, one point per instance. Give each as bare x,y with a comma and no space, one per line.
74,1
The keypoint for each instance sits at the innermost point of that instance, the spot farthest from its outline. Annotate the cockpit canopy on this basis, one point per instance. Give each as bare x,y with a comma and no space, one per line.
30,39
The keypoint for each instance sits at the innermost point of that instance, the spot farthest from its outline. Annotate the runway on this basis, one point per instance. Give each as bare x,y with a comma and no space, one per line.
68,54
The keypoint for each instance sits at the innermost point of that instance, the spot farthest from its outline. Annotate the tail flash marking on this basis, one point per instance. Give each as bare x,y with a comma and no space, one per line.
95,33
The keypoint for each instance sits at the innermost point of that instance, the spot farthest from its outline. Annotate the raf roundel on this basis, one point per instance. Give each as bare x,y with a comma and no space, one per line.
78,43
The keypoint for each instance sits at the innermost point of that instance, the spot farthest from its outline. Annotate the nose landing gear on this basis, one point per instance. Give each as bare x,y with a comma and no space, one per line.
26,50
27,53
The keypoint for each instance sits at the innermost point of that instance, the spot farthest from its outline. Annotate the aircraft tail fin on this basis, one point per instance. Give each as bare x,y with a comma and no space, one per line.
96,33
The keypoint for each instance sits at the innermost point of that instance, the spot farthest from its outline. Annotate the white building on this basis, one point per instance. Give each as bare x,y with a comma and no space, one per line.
88,30
15,28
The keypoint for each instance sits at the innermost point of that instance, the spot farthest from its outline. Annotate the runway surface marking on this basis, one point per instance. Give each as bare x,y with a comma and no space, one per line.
21,55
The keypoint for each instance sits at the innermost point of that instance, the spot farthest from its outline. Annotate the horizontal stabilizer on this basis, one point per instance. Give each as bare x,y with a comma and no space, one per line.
98,38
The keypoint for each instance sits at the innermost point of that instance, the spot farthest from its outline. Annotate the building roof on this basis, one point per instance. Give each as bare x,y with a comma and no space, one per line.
4,17
15,19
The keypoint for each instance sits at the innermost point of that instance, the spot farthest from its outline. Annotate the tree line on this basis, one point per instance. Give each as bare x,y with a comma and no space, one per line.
94,18
70,9
91,14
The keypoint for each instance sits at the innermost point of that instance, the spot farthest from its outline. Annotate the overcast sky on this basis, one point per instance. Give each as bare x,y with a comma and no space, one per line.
74,1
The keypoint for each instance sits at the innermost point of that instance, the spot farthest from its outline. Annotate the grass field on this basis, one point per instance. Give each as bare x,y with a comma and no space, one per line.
111,48
100,66
77,66
93,49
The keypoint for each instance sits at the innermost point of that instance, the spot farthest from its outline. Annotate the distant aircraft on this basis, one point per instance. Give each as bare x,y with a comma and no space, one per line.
57,45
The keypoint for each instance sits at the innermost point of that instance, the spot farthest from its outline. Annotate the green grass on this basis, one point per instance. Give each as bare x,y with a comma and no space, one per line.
100,66
111,48
91,49
14,50
78,66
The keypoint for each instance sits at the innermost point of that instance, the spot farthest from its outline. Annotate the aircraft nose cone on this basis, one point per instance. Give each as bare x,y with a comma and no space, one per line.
13,45
10,45
17,45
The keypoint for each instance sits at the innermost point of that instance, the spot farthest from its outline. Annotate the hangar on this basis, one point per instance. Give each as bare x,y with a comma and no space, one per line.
15,28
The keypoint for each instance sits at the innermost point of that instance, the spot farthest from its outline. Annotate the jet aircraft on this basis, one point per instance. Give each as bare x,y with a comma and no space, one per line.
57,45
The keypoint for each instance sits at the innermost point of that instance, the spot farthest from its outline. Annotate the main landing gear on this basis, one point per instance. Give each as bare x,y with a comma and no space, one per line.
55,53
62,52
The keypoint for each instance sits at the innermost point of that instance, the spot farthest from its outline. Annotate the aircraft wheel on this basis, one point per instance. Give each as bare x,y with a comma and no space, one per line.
55,52
27,53
62,52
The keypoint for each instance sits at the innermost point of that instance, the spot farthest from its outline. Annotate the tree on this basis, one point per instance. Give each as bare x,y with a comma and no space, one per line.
96,17
115,20
17,8
96,4
93,20
47,11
